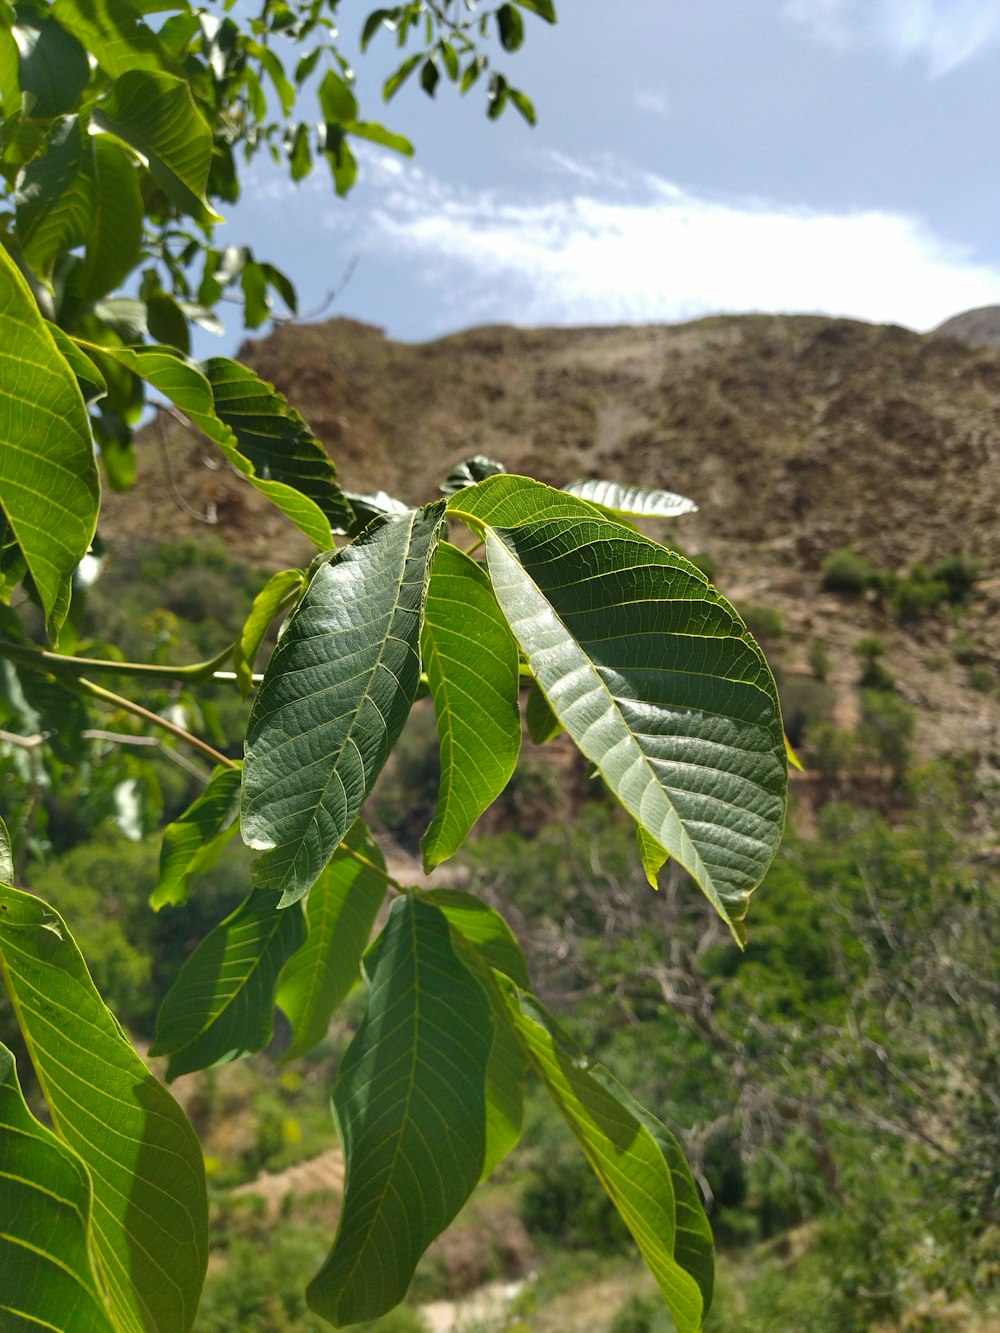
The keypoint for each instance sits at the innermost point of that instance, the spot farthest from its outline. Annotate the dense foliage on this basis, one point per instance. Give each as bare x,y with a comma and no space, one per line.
122,130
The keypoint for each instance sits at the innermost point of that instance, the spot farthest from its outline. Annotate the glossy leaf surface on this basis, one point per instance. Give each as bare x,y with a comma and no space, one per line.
410,1105
150,1214
471,661
335,695
640,501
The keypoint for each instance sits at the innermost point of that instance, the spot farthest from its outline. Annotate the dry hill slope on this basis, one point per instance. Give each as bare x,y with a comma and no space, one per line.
796,435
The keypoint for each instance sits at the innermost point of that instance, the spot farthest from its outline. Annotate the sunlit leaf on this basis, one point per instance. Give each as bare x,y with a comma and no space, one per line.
54,67
113,31
641,501
275,594
150,1213
336,692
156,115
651,672
49,487
626,1157
49,1276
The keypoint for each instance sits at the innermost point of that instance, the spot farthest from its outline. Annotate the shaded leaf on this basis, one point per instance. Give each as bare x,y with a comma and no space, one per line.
53,198
651,672
49,487
54,69
642,501
150,1212
543,725
49,1277
410,1107
485,929
340,914
6,856
88,377
336,692
221,1007
368,507
471,661
625,1156
156,115
193,841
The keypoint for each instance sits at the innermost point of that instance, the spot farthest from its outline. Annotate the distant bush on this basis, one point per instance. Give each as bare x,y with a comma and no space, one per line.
818,658
918,594
886,730
959,573
804,702
763,622
846,571
874,675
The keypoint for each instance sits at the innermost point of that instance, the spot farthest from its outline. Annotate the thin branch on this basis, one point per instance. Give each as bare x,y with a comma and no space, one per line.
94,691
63,665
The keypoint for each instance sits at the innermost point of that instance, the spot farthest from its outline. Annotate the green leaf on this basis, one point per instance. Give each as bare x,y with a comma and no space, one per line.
376,133
276,72
113,31
221,1007
511,28
653,856
410,1107
92,383
54,205
693,1245
524,104
256,306
156,115
277,442
396,80
54,67
49,487
253,426
336,100
642,501
336,692
272,597
469,471
471,661
368,507
651,672
485,929
340,913
543,8
193,841
150,1212
479,929
10,87
62,714
626,1157
6,856
49,1277
543,725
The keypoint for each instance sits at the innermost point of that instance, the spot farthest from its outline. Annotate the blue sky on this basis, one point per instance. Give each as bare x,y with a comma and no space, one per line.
691,157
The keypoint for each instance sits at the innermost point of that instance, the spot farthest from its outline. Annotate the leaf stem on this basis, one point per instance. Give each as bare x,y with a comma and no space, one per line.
62,664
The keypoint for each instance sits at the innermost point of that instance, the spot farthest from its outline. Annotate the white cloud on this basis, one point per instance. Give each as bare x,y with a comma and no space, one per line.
646,250
943,33
650,102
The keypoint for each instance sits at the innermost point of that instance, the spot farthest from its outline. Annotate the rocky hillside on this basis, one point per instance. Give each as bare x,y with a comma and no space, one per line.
796,436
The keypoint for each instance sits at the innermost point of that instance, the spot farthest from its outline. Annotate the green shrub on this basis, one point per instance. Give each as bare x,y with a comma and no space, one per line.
919,594
959,573
846,571
804,702
763,622
886,730
818,658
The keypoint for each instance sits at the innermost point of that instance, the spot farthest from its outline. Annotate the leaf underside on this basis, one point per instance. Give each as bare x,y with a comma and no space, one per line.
410,1106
